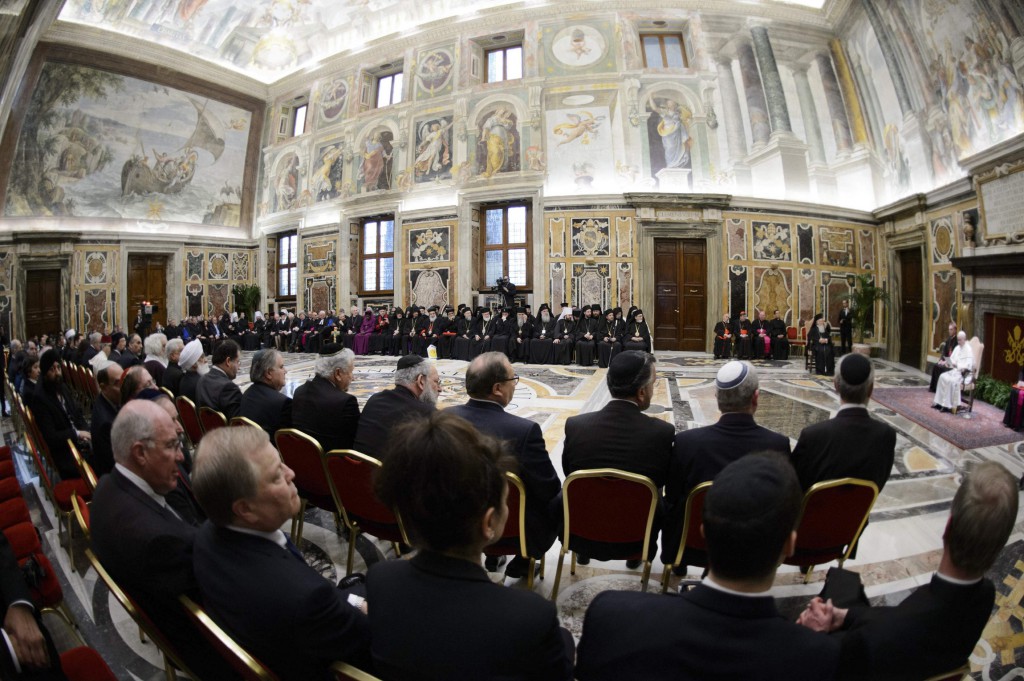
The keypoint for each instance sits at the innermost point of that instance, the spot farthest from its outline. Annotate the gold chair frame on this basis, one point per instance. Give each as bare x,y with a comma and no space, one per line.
203,620
192,405
210,410
702,488
243,421
84,468
343,671
517,482
299,520
828,484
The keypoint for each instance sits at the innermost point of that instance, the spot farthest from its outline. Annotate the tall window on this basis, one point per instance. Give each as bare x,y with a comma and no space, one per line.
506,248
389,89
377,255
505,63
663,50
287,265
299,120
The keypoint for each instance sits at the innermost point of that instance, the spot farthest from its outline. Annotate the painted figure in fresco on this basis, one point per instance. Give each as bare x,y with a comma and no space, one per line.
375,159
498,141
327,178
434,151
672,130
287,183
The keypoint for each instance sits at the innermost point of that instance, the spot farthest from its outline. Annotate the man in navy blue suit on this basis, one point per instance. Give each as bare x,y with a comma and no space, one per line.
490,383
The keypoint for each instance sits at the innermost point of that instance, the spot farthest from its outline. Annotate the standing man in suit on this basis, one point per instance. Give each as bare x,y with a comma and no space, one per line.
217,389
104,411
728,626
490,383
57,416
415,393
943,365
254,581
144,544
701,453
937,626
620,435
321,407
852,444
845,328
264,402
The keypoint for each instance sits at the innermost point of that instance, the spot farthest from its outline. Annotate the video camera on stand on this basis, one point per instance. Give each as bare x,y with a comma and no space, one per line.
146,312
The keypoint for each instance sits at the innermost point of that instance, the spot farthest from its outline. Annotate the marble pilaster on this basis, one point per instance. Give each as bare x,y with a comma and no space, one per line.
757,107
885,42
859,177
777,110
850,96
905,42
834,101
733,114
809,114
779,169
918,146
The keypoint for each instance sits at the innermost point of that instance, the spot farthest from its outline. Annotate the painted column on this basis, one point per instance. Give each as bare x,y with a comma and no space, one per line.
733,114
909,46
857,127
876,122
889,53
815,144
777,109
834,100
757,108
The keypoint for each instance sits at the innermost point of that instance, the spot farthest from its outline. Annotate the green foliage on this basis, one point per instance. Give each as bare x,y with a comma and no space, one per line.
862,302
247,297
993,391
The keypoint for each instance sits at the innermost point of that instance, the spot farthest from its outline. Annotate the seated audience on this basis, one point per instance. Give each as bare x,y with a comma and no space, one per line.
727,627
638,334
57,415
1015,406
135,380
415,393
438,615
130,356
217,389
263,402
947,392
104,411
172,373
321,407
193,365
254,581
156,356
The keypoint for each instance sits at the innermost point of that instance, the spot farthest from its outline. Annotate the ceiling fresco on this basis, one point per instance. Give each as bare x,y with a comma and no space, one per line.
270,39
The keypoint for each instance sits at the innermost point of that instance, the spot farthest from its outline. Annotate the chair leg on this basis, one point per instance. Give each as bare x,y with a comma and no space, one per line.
664,579
647,575
71,541
398,549
807,575
353,533
169,669
297,536
558,575
529,573
543,563
142,635
572,564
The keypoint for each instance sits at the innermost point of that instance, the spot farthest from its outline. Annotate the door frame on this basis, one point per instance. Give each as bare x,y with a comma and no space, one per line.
912,239
175,284
28,262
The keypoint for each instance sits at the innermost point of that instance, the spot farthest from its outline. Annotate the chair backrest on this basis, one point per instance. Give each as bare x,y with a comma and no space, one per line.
342,671
84,469
609,506
977,349
350,475
211,419
189,419
303,455
833,516
692,537
243,421
81,510
240,659
167,391
89,382
44,476
791,332
513,536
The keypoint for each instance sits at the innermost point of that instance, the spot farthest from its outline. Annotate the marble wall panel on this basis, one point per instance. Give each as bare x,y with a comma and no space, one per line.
805,238
194,264
429,286
807,288
942,240
591,284
194,299
624,237
319,255
737,290
835,285
6,271
219,266
557,279
591,236
430,244
556,235
270,274
320,292
866,239
772,241
240,265
736,230
94,310
216,299
625,285
837,246
943,307
773,290
94,286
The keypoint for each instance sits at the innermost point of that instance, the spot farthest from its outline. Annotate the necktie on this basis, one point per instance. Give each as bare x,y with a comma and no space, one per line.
292,549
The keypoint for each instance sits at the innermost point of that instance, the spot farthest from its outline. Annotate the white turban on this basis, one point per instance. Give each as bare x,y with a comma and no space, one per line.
190,354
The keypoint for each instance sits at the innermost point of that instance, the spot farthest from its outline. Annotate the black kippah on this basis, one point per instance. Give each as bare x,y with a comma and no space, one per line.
330,349
855,368
625,366
409,361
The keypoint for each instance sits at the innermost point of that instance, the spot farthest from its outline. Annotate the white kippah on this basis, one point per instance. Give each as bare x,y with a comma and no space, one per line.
732,375
190,354
69,334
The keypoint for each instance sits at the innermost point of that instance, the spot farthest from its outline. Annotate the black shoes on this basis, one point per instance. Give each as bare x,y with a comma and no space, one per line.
492,563
519,567
582,560
633,564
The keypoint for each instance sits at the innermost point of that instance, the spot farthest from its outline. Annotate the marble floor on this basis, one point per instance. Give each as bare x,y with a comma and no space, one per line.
899,549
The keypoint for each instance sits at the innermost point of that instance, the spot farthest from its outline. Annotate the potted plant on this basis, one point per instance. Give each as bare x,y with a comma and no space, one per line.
247,297
862,304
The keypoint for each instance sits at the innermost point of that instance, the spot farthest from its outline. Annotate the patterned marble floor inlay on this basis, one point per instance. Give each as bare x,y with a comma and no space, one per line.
899,549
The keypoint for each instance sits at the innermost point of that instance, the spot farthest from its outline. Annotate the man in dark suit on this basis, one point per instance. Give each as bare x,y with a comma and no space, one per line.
620,435
321,407
253,580
104,411
95,340
490,383
943,365
845,328
172,374
263,402
728,626
217,389
193,365
57,416
26,650
701,453
416,388
937,626
132,354
852,444
140,540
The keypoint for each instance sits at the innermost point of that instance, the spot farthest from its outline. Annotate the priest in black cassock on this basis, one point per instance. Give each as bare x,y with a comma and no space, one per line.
586,337
542,344
519,338
467,332
638,334
819,341
741,330
723,338
448,333
609,338
780,339
565,340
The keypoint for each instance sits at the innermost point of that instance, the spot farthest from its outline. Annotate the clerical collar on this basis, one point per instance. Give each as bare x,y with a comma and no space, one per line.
954,580
745,594
277,536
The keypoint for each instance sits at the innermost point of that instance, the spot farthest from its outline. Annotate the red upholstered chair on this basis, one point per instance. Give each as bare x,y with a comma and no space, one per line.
342,671
247,666
692,539
350,475
9,488
59,493
513,537
5,453
612,508
14,511
243,421
23,538
211,419
47,592
833,516
7,469
85,664
303,455
84,469
81,508
189,419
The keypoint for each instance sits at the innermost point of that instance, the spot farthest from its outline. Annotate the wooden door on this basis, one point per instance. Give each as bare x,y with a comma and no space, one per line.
911,307
680,294
42,302
147,280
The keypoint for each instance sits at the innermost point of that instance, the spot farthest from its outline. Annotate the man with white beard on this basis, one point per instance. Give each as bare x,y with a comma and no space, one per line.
417,386
541,346
193,363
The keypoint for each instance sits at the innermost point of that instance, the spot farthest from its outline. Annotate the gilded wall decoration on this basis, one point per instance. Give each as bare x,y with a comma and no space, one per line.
737,290
943,307
94,310
807,289
429,287
194,299
591,284
433,160
434,71
591,237
95,267
624,237
240,265
836,246
805,239
216,299
736,230
319,293
557,278
625,285
430,244
319,256
194,261
333,98
771,241
867,249
270,275
6,270
6,318
218,266
556,232
773,289
942,240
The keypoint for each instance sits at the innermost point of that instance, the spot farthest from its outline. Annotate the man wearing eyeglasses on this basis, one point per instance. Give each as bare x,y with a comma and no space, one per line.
140,540
491,383
217,389
104,411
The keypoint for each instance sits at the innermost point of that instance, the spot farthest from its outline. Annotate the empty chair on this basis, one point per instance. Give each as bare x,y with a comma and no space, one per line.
60,493
211,419
303,455
692,546
970,379
512,541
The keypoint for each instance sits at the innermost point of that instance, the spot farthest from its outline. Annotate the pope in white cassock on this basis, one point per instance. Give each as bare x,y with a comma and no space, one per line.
947,393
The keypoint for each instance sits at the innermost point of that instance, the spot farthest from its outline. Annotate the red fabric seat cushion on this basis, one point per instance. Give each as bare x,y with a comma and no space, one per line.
9,488
85,664
23,538
47,592
5,453
65,488
14,511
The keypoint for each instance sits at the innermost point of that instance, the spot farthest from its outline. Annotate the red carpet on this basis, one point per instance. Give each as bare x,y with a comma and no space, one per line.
984,428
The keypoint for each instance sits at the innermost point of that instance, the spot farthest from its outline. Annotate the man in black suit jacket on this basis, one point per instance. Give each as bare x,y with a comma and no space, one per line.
172,374
264,402
416,388
131,355
144,545
104,411
701,453
217,389
851,445
728,626
937,626
845,328
321,407
490,383
620,435
26,650
254,581
57,416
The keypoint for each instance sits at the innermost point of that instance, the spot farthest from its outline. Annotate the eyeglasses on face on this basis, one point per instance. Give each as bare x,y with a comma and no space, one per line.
174,444
513,377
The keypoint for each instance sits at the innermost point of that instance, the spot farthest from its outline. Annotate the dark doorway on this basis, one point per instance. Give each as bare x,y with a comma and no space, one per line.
147,281
911,306
42,302
680,294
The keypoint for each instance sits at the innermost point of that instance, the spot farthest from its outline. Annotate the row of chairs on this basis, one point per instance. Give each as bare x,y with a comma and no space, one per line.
82,383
